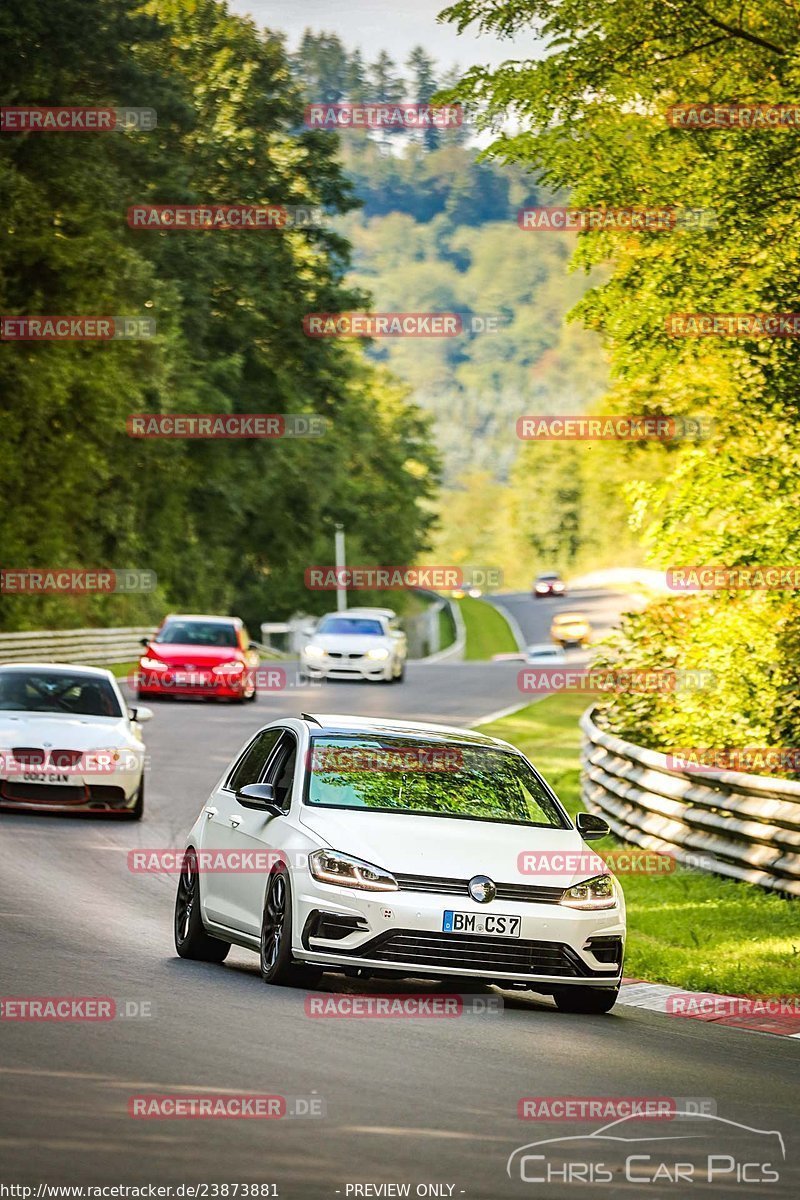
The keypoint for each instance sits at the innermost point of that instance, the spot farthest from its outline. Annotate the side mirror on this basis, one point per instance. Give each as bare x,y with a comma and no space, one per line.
144,642
590,827
140,714
260,796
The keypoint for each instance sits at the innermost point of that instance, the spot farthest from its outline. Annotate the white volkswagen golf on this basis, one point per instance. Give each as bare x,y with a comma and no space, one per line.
385,848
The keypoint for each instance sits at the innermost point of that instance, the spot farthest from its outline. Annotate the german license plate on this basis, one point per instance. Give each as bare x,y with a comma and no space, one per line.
486,923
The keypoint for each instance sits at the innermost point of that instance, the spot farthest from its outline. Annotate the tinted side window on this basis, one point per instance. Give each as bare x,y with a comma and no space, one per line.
281,774
254,759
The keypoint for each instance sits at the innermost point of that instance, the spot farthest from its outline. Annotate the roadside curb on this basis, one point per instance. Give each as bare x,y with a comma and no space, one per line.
709,1007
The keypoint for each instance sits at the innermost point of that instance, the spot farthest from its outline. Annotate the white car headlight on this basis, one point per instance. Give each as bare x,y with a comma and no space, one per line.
153,664
592,893
329,866
312,651
228,668
378,653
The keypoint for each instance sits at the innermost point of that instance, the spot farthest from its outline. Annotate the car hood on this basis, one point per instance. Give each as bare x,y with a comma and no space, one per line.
62,732
179,654
443,846
349,643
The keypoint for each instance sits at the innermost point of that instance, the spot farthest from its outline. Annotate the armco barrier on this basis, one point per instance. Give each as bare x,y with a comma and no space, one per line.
744,826
75,645
100,646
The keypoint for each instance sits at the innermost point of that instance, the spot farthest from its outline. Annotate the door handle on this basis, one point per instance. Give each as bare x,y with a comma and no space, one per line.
235,822
210,812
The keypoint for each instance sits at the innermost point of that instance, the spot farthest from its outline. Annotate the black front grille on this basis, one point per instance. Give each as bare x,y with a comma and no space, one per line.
63,794
488,955
523,893
44,793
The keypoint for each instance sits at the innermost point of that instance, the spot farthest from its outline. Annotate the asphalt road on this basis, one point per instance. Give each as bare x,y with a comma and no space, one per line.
407,1102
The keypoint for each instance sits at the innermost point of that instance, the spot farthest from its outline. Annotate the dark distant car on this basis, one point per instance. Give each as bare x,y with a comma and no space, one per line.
199,656
549,583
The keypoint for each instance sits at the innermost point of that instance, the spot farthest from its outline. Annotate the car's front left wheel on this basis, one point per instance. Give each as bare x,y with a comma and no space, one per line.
191,938
275,958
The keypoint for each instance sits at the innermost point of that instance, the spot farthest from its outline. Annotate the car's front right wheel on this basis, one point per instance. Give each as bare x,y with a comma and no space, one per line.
275,958
586,999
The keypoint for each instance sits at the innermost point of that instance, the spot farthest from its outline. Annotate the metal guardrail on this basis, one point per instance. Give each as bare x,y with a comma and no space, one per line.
97,646
746,827
75,645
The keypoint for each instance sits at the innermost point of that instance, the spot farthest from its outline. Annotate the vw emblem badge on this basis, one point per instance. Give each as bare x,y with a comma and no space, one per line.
482,889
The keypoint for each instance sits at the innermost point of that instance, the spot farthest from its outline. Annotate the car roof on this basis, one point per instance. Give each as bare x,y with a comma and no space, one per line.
203,617
67,668
332,723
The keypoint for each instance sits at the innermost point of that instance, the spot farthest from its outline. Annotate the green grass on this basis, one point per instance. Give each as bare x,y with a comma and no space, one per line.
688,929
488,632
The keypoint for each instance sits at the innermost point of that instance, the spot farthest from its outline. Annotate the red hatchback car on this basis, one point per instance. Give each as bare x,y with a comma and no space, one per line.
198,656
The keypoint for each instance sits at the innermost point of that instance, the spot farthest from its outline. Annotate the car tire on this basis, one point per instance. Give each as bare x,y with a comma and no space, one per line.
585,999
275,952
191,938
399,678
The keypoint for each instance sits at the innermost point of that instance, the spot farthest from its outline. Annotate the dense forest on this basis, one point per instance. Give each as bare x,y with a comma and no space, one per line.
225,525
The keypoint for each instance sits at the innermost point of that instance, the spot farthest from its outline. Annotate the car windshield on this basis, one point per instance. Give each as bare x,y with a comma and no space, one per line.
197,633
363,625
397,775
58,692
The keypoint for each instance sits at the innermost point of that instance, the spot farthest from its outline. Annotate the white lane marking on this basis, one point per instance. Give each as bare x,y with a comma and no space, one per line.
384,1130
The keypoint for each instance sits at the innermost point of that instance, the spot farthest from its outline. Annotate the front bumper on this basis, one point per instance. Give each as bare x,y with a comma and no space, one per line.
112,792
347,668
201,683
401,933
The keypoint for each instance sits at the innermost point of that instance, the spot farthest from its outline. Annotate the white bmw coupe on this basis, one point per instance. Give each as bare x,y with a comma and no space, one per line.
68,741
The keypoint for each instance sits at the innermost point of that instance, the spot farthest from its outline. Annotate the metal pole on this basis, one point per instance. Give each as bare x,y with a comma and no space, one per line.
341,563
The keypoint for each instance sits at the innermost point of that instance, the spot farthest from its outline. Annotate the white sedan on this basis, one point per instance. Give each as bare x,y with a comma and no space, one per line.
68,741
361,846
359,643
